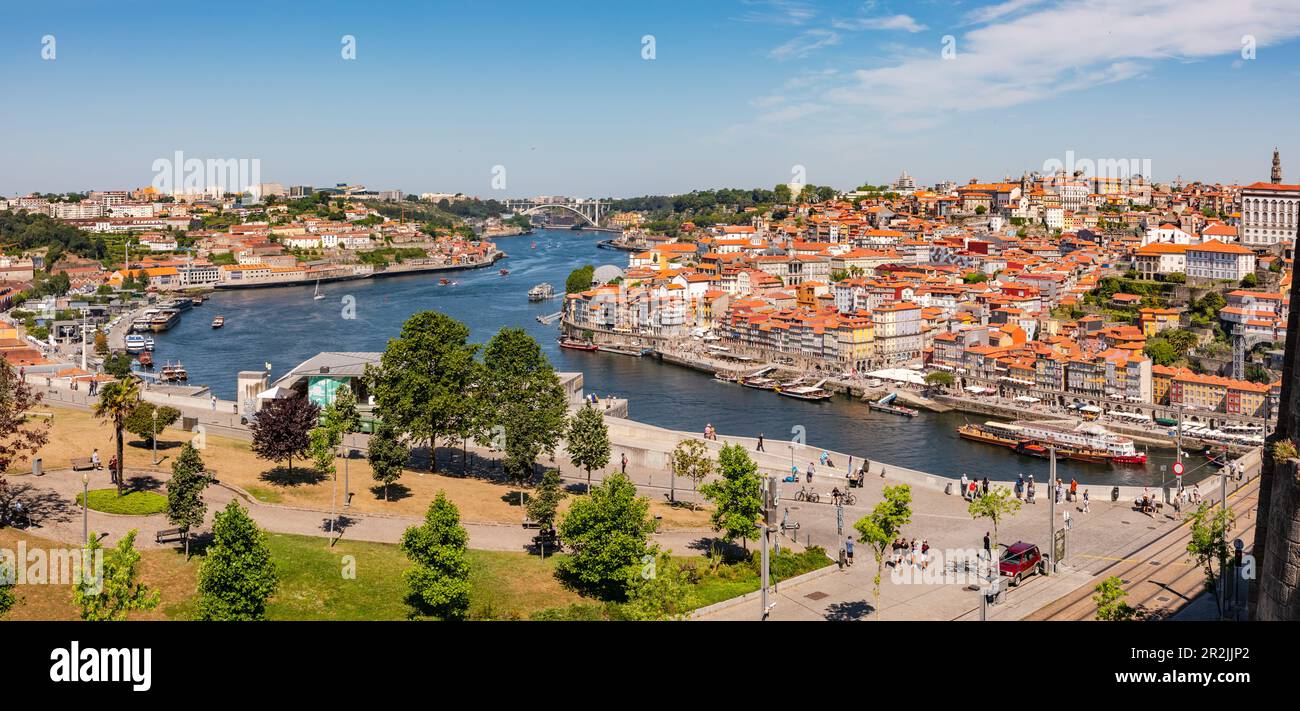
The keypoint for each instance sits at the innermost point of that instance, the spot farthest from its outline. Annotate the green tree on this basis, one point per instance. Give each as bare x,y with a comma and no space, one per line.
607,534
995,506
658,591
579,279
237,576
737,496
524,400
119,590
690,459
8,575
185,507
116,401
1209,546
439,579
118,365
387,456
147,419
1109,598
1250,281
322,446
939,379
424,379
882,527
587,440
21,434
545,501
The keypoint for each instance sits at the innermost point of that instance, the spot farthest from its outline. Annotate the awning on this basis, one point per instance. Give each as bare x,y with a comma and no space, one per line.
275,393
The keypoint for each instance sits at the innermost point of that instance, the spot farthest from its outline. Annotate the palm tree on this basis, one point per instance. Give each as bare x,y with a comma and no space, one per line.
116,400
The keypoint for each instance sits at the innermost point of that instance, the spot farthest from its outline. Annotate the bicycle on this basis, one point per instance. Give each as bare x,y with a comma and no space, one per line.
805,495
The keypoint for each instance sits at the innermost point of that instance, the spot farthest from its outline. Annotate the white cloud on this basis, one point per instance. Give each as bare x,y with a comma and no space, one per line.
1056,50
779,12
989,13
804,44
892,22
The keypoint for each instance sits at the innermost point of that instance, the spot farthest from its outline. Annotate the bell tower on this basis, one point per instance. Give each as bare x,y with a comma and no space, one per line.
1276,175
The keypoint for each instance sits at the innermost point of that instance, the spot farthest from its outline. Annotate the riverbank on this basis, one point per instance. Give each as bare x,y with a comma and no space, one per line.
390,271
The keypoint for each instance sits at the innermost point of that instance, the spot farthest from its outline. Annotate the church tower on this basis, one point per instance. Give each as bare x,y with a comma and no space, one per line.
1276,175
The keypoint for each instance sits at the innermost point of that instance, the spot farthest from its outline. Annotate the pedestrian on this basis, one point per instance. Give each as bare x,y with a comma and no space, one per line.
214,403
1029,489
810,472
988,544
1020,485
1074,489
1059,491
925,554
848,549
964,483
985,487
760,441
974,490
916,553
623,463
1086,501
94,459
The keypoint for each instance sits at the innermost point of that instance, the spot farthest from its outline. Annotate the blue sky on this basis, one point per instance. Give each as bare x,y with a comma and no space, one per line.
738,93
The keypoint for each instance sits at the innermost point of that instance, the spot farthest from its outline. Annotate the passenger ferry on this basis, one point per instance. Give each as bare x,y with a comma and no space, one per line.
135,343
144,322
164,319
804,392
1088,442
541,292
1084,444
759,383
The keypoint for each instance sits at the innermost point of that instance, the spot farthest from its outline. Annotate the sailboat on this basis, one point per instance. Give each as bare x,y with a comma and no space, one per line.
316,295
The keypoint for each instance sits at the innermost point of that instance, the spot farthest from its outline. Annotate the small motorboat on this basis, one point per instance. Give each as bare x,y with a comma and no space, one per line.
444,282
504,272
316,295
218,322
534,245
148,343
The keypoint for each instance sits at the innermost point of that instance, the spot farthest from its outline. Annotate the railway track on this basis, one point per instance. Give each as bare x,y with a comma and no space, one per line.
1159,578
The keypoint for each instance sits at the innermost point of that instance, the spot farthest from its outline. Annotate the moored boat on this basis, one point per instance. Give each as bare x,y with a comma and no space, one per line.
578,345
135,343
173,372
146,359
804,392
759,382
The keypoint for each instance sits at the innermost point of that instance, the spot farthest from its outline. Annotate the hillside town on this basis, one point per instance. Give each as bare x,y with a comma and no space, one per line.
1056,287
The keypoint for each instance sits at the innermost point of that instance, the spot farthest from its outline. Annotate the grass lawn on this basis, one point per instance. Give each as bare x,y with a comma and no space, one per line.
132,503
314,586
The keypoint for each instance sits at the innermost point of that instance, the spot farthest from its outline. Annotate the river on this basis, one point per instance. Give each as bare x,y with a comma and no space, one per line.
285,326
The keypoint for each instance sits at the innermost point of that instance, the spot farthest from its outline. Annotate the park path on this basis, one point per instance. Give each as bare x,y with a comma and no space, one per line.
52,500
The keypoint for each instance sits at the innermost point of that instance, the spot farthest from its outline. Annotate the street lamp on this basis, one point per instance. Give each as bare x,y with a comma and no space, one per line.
85,511
155,436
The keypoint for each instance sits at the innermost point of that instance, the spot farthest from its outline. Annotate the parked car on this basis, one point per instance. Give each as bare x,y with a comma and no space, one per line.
1021,560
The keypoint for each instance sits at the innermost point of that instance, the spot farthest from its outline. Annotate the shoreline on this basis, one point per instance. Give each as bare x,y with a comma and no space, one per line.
381,274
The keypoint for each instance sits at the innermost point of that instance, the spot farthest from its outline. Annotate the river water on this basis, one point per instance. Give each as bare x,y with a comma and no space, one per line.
285,326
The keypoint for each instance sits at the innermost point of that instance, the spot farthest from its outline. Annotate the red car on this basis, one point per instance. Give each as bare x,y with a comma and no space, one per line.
1020,560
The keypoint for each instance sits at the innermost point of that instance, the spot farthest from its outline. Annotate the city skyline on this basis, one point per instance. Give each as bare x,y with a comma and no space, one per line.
600,101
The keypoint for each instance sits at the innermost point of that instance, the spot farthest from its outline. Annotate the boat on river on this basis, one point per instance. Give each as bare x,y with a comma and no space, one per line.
173,373
1087,443
218,322
805,392
576,345
541,292
886,405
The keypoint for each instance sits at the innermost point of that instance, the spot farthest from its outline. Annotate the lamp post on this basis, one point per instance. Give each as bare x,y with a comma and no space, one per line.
155,436
85,510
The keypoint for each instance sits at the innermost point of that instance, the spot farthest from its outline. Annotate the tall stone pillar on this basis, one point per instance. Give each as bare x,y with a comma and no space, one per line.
1277,526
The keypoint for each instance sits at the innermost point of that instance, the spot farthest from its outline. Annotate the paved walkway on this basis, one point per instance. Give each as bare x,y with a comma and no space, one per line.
52,500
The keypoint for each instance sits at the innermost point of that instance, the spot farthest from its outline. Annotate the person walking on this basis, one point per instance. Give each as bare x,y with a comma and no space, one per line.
1020,485
848,548
623,463
1085,501
214,403
760,442
988,544
925,554
94,459
1074,489
1029,489
810,472
964,483
985,487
